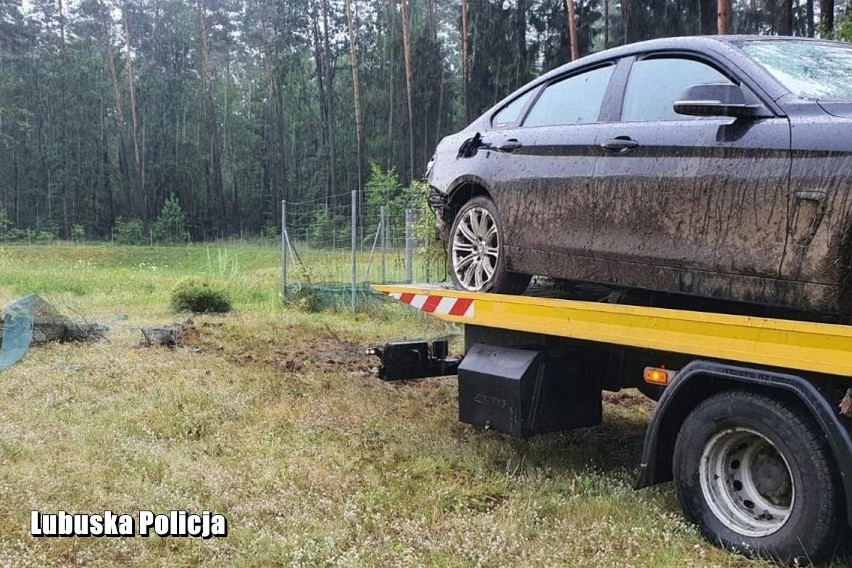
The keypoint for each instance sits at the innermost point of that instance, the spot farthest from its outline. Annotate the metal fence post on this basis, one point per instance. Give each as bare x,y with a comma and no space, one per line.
384,229
409,248
426,260
354,243
283,249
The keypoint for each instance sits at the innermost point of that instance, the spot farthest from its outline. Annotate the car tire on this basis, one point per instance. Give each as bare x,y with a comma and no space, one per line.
756,475
476,256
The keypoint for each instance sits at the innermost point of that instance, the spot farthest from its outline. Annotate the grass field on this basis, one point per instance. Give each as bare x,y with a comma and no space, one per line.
273,420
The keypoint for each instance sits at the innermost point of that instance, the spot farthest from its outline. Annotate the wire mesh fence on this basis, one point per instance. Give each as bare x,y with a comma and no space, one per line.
332,252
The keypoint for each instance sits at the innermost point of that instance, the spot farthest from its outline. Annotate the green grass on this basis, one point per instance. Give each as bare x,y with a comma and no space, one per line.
274,421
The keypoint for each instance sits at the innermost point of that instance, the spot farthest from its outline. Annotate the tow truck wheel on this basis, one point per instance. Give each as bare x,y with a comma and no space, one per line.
476,255
756,475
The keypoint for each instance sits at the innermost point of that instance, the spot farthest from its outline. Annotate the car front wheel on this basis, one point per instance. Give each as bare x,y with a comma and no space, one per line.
476,255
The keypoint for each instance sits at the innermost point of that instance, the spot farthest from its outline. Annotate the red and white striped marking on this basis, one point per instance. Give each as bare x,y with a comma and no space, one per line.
460,307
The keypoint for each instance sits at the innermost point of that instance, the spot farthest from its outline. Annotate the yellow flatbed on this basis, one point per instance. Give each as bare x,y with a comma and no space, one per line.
804,346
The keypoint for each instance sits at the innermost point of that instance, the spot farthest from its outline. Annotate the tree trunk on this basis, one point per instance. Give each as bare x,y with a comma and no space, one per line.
118,116
64,120
433,32
521,33
826,18
440,109
723,16
572,29
319,67
132,90
465,61
274,160
61,9
809,7
215,187
391,82
409,84
625,19
785,27
328,76
359,126
606,23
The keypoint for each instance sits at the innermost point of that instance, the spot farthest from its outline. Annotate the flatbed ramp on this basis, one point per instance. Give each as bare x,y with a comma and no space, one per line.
804,346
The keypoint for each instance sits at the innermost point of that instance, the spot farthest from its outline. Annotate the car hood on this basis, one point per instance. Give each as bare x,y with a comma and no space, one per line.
841,109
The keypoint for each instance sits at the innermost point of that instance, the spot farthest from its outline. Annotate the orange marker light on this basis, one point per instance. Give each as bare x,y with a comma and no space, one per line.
656,376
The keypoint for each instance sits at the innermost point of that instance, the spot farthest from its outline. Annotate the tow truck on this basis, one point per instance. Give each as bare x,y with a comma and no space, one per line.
753,422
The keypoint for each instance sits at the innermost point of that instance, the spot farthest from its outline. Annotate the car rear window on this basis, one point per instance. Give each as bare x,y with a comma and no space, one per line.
510,113
808,69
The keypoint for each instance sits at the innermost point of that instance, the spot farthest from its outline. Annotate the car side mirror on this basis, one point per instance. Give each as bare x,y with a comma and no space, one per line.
716,99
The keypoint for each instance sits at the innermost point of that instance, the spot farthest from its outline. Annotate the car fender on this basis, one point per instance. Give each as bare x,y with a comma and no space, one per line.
701,379
455,194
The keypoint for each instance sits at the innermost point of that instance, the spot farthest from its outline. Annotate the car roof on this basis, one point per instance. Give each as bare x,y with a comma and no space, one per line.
715,43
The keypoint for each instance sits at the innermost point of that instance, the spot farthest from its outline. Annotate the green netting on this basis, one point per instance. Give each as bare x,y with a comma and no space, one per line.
18,321
33,320
314,297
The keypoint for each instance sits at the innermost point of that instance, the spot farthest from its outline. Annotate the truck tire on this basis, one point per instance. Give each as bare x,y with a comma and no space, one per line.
756,475
477,259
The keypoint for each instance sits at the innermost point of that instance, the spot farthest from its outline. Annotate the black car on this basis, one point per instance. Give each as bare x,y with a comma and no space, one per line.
710,166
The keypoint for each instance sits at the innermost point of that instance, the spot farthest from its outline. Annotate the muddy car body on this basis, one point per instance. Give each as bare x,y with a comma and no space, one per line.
680,165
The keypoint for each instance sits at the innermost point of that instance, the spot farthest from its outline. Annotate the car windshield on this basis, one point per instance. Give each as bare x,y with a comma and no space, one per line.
810,70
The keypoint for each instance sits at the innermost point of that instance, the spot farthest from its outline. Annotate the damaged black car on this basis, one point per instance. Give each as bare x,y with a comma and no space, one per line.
718,167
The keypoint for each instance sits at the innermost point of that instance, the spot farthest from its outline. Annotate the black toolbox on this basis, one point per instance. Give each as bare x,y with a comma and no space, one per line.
524,392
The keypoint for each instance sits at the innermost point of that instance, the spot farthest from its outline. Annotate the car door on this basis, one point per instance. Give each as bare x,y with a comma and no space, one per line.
542,170
682,198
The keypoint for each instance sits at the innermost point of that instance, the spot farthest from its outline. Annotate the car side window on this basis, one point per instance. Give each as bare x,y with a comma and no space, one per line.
511,112
575,100
655,84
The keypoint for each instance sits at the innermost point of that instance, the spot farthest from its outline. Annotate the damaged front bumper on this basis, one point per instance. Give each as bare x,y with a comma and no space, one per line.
437,199
438,202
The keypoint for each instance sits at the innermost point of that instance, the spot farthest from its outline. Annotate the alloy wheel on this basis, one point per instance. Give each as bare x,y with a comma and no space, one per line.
476,249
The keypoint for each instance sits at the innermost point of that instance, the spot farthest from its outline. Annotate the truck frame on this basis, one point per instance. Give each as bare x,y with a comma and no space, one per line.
754,416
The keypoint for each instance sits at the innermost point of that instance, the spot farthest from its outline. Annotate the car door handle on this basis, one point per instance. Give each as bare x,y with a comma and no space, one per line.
621,145
509,145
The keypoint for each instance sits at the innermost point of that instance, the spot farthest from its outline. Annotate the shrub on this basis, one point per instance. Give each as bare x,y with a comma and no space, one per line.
43,236
304,300
271,231
200,296
425,234
5,226
19,235
843,30
128,232
78,232
328,230
170,226
383,189
8,232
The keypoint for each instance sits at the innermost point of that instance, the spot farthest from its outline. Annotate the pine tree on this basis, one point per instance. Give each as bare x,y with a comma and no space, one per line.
170,226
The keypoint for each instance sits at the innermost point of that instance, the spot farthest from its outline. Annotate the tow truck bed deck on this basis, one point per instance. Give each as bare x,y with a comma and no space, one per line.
804,346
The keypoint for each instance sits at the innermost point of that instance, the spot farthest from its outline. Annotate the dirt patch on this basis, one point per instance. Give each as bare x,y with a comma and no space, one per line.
293,348
629,400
